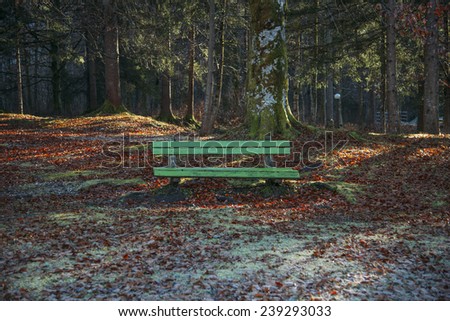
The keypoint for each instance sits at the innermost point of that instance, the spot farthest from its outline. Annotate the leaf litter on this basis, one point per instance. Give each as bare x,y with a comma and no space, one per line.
372,226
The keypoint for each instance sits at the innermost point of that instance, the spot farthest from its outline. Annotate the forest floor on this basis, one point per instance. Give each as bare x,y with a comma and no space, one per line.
370,223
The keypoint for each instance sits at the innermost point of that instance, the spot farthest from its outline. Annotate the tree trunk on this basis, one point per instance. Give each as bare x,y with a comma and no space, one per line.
361,110
166,113
190,115
382,109
301,105
28,95
18,62
92,72
55,67
297,90
431,70
329,104
209,94
371,108
219,86
314,97
446,127
321,100
267,87
393,125
340,121
36,103
19,78
315,80
420,92
111,55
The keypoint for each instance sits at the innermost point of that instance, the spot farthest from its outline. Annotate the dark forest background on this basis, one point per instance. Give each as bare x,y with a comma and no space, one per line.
53,56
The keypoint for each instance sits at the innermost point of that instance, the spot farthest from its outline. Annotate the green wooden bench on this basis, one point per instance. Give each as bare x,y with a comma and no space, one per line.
266,148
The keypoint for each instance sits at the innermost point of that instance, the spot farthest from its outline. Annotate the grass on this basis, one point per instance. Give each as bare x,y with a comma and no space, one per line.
348,190
439,204
357,136
109,181
71,175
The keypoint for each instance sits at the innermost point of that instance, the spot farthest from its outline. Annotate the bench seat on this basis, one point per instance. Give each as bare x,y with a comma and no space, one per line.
226,172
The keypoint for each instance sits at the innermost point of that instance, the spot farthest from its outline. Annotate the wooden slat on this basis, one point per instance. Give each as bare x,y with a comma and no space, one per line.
222,144
226,172
222,151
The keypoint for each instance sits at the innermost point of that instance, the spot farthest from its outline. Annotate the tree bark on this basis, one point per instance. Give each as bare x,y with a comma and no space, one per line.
383,90
329,104
267,86
420,92
111,55
371,108
190,114
28,95
340,121
55,67
393,125
19,78
431,69
166,113
219,85
315,80
209,94
361,108
92,72
18,61
446,125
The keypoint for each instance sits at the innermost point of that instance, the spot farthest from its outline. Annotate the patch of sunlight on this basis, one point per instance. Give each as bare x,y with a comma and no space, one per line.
92,215
64,219
424,135
103,253
35,283
334,176
100,218
36,276
68,175
27,165
348,190
282,255
329,229
267,244
237,269
161,275
111,182
110,277
28,247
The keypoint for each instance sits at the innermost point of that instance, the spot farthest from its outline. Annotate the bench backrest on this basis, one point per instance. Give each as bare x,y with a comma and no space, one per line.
261,147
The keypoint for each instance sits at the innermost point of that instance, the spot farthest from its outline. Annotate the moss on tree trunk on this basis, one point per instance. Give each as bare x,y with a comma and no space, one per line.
267,82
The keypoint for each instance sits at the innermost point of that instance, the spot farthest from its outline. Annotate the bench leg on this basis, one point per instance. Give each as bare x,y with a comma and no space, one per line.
273,181
174,181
